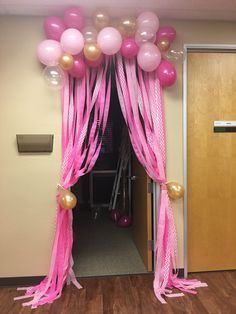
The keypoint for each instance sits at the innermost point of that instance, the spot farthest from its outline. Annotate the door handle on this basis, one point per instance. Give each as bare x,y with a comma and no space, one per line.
133,178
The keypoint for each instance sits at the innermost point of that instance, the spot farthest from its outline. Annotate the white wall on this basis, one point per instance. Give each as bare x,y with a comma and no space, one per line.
27,182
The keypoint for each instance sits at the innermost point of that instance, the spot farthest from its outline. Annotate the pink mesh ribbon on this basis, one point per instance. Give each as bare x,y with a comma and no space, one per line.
85,106
142,106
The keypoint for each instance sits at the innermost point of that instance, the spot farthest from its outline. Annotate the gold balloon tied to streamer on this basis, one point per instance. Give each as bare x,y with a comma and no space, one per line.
175,190
67,199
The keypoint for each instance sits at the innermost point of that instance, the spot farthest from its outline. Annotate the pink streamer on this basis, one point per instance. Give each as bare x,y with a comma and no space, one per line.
141,99
80,149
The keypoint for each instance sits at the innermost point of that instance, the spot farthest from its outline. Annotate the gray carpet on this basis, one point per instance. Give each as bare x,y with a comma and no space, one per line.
101,248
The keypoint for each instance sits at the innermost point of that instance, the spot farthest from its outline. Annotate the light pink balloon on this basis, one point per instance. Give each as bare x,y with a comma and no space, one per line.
49,52
129,48
149,57
74,18
166,73
145,34
95,63
53,27
78,69
148,19
72,41
109,40
166,32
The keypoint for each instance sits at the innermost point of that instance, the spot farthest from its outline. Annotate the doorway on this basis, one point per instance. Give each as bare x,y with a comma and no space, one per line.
101,246
210,150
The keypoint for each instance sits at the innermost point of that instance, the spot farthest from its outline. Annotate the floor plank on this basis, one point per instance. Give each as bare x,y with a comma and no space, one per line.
133,295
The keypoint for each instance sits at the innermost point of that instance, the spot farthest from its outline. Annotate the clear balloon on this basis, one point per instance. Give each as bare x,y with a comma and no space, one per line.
90,34
145,34
175,55
72,41
67,199
163,44
127,26
175,190
91,51
149,57
166,32
101,19
129,48
74,18
148,19
54,27
49,52
54,77
166,73
66,61
96,63
109,40
78,69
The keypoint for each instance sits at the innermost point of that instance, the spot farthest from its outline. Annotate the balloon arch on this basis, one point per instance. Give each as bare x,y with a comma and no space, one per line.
77,59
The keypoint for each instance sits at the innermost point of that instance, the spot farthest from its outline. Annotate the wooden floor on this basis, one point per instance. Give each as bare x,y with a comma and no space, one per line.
133,295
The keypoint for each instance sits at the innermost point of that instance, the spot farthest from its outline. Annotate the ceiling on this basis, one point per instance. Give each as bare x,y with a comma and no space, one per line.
173,9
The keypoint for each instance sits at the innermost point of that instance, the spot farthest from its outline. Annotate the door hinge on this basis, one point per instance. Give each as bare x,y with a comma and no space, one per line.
150,245
150,187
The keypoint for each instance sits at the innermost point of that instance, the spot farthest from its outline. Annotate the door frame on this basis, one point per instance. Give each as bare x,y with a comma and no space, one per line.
188,47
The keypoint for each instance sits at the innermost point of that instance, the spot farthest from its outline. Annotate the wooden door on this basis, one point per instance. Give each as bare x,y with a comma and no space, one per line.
142,212
211,162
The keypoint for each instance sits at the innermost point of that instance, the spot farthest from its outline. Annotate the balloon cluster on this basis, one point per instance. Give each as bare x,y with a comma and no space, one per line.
71,45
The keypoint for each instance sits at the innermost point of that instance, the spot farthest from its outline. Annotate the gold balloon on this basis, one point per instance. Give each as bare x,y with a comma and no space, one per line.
91,51
175,190
101,19
67,199
127,26
163,44
66,61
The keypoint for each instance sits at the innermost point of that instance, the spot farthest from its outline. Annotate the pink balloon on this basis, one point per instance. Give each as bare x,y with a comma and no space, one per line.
72,41
109,40
124,221
74,18
166,73
167,32
148,19
95,63
78,69
49,52
53,27
129,48
149,57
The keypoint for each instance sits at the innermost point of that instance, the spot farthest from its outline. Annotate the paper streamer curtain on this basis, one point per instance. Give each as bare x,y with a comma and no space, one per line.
77,59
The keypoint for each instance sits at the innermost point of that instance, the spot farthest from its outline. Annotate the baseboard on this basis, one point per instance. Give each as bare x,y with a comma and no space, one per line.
20,281
34,280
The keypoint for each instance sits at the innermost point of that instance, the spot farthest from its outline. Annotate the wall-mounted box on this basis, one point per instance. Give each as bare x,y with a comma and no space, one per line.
34,143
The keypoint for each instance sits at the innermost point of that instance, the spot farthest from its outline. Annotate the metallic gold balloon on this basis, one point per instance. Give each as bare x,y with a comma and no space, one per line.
163,44
175,190
127,26
92,52
67,199
101,19
66,61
